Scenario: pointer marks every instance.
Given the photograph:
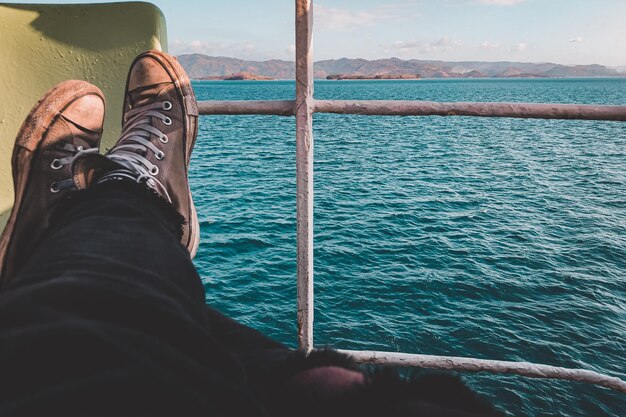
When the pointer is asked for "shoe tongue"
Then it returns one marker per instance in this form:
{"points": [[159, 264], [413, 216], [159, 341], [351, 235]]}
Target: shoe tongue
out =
{"points": [[145, 95]]}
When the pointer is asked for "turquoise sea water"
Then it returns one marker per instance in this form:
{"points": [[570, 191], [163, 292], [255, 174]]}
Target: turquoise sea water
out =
{"points": [[491, 238]]}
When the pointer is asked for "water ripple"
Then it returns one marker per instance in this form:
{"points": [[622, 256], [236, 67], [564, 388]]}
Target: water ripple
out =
{"points": [[493, 238]]}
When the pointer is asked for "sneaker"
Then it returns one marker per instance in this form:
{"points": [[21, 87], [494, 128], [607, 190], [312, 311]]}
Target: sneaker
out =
{"points": [[63, 126], [159, 129]]}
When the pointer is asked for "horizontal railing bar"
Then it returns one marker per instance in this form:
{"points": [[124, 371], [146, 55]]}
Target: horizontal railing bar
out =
{"points": [[527, 369], [275, 107], [420, 108], [431, 108]]}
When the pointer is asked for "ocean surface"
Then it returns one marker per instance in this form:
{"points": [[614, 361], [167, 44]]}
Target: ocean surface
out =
{"points": [[491, 238]]}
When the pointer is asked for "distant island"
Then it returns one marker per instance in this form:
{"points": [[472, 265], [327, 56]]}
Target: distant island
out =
{"points": [[204, 67], [239, 76]]}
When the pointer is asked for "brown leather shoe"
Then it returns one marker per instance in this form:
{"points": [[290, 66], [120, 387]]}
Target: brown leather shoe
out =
{"points": [[159, 129], [65, 124]]}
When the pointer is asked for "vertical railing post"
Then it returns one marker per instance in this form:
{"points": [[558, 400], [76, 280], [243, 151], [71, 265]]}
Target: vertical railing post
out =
{"points": [[304, 171]]}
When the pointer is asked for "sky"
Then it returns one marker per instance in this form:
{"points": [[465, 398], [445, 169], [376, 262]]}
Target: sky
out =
{"points": [[561, 31]]}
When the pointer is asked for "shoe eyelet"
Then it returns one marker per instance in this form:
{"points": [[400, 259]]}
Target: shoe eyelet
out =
{"points": [[167, 105], [56, 164], [164, 139], [54, 187], [160, 156], [167, 121], [154, 170]]}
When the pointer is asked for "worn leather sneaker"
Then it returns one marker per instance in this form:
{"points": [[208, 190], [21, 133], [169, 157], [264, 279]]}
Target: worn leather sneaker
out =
{"points": [[64, 125], [159, 129]]}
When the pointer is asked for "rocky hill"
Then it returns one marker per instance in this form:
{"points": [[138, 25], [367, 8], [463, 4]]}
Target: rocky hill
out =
{"points": [[238, 76], [202, 66]]}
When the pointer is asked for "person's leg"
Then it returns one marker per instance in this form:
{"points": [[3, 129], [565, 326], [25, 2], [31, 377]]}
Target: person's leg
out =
{"points": [[106, 314], [97, 315]]}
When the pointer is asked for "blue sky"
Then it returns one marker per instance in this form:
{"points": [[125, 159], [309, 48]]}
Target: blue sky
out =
{"points": [[562, 31]]}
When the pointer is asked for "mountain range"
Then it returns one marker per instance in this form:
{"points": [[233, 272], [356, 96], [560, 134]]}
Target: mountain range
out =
{"points": [[200, 66]]}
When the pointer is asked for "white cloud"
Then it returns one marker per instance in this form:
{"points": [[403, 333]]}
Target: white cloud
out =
{"points": [[489, 45], [243, 50], [342, 19], [577, 39], [501, 2], [334, 18], [442, 45], [520, 47]]}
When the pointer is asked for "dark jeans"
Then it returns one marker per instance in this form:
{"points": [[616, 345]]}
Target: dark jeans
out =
{"points": [[109, 318]]}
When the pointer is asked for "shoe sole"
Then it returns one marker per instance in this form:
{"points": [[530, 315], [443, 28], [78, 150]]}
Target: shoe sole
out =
{"points": [[183, 86], [29, 138]]}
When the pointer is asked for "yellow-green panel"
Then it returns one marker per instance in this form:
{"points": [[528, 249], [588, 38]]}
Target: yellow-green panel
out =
{"points": [[42, 45]]}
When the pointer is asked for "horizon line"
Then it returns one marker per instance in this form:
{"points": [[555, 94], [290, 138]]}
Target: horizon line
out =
{"points": [[400, 59]]}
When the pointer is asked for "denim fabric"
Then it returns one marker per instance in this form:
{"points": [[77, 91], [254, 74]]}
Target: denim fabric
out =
{"points": [[108, 317]]}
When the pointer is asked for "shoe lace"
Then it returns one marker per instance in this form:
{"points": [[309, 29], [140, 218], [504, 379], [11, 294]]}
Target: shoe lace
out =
{"points": [[76, 151], [134, 144]]}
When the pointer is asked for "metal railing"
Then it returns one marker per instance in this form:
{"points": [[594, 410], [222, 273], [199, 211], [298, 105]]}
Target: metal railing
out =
{"points": [[303, 108]]}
